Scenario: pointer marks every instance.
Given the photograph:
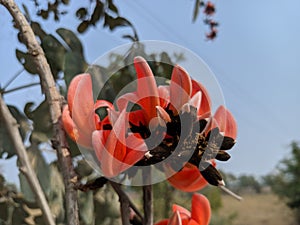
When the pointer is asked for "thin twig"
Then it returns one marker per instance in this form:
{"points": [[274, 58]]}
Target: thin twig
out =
{"points": [[13, 78], [54, 100], [11, 127], [20, 87], [147, 198], [231, 193], [120, 192]]}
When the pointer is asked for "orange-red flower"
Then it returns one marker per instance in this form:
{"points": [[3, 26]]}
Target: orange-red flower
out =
{"points": [[200, 213], [185, 107], [173, 120], [116, 149], [79, 117]]}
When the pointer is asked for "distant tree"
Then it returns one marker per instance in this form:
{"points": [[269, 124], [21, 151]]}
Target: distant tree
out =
{"points": [[242, 183], [249, 182], [285, 182]]}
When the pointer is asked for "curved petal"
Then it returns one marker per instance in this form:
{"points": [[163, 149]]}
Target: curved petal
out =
{"points": [[123, 100], [68, 124], [82, 104], [146, 88], [110, 147], [136, 149], [73, 88], [201, 211], [98, 139], [188, 179], [226, 122], [116, 141], [195, 101], [164, 95], [137, 117], [175, 219], [115, 151], [205, 101], [185, 213], [71, 129], [180, 88]]}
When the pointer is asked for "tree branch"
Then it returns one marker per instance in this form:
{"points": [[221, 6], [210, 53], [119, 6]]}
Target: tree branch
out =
{"points": [[11, 126], [54, 100], [125, 204], [147, 198]]}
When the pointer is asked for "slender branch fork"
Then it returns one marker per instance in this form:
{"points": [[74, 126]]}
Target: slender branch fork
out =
{"points": [[54, 100], [20, 88], [12, 129]]}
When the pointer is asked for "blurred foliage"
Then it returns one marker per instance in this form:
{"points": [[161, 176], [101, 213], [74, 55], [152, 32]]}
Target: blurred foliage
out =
{"points": [[243, 183], [285, 181]]}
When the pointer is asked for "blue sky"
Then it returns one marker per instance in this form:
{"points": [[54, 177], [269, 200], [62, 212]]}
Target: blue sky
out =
{"points": [[254, 58]]}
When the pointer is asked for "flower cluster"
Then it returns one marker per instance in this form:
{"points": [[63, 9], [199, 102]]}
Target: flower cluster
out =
{"points": [[171, 121]]}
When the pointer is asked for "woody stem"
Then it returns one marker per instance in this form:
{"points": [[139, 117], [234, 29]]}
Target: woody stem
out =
{"points": [[147, 197]]}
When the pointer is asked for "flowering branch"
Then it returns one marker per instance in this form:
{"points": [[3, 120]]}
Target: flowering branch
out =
{"points": [[54, 100], [11, 126]]}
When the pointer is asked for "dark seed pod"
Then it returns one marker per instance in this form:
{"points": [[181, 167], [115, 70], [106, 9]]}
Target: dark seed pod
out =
{"points": [[222, 156], [211, 174], [227, 143], [202, 125]]}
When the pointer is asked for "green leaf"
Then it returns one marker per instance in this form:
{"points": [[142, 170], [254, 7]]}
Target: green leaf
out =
{"points": [[37, 29], [41, 122], [42, 171], [44, 14], [83, 169], [98, 13], [55, 53], [83, 26], [73, 147], [74, 64], [81, 13], [27, 61], [113, 23], [71, 40], [112, 6]]}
